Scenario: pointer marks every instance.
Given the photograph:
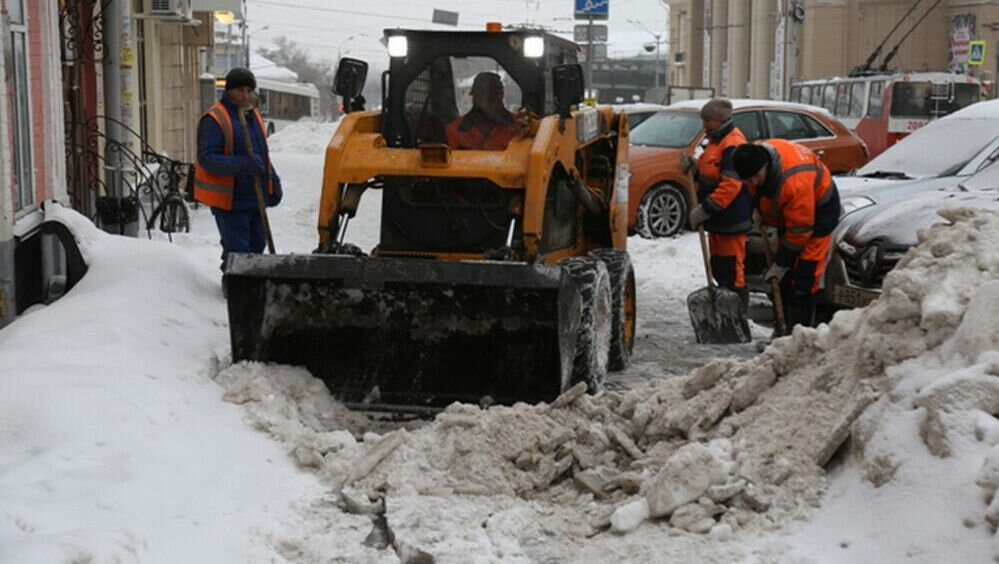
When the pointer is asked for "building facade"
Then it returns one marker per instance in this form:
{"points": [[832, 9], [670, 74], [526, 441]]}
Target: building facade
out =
{"points": [[756, 49]]}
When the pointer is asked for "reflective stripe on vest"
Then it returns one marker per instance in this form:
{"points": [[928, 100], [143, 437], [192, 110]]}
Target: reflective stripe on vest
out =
{"points": [[216, 190]]}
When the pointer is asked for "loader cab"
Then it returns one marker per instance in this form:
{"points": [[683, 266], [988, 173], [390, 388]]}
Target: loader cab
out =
{"points": [[428, 84]]}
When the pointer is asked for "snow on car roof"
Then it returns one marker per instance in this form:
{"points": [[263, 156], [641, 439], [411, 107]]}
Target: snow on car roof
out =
{"points": [[987, 109], [637, 107], [747, 102]]}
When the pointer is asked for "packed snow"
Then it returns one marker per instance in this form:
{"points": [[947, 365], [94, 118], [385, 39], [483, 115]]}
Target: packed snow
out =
{"points": [[129, 436]]}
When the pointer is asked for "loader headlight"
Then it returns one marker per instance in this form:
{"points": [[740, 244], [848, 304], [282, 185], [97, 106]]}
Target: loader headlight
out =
{"points": [[534, 47], [397, 46]]}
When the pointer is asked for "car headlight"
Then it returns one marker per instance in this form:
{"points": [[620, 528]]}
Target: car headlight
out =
{"points": [[851, 204]]}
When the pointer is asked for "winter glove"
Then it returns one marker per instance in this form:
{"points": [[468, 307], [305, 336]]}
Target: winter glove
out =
{"points": [[776, 271], [275, 198], [687, 163], [698, 216], [257, 165]]}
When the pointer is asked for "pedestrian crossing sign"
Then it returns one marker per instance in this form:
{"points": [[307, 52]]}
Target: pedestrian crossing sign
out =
{"points": [[976, 52]]}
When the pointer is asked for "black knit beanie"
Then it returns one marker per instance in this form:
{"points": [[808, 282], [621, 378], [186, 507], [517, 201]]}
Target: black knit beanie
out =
{"points": [[240, 77], [749, 159]]}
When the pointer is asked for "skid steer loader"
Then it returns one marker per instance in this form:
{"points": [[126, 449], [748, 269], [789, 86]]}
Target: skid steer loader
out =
{"points": [[498, 274]]}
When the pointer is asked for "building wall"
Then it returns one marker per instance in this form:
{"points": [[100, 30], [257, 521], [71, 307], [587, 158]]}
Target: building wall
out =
{"points": [[48, 140], [833, 37]]}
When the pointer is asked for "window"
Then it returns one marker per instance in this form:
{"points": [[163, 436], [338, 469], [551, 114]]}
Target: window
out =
{"points": [[842, 99], [24, 193], [911, 99], [856, 100], [749, 124], [818, 128], [787, 125], [876, 99], [829, 98], [817, 95], [667, 129], [805, 96]]}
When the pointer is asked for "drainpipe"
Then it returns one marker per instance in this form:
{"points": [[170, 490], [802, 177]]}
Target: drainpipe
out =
{"points": [[118, 219], [7, 305]]}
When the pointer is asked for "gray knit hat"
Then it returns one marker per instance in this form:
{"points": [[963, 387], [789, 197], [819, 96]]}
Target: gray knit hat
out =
{"points": [[719, 109]]}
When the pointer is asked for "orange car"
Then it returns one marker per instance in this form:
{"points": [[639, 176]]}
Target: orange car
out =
{"points": [[657, 195]]}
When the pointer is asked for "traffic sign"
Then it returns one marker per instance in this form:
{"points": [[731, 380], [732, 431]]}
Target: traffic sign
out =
{"points": [[976, 52], [579, 33], [596, 9]]}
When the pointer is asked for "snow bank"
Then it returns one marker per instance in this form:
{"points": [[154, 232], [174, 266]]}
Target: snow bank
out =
{"points": [[115, 447], [725, 453]]}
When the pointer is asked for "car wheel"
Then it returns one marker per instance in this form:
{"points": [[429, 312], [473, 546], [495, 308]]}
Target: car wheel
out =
{"points": [[662, 212]]}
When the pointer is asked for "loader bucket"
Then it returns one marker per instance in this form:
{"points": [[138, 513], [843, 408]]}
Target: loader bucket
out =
{"points": [[407, 332]]}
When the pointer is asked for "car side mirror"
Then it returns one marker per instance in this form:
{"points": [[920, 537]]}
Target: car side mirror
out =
{"points": [[567, 87], [349, 80]]}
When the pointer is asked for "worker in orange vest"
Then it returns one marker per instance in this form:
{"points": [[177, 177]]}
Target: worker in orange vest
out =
{"points": [[725, 207], [794, 192], [488, 126], [225, 170]]}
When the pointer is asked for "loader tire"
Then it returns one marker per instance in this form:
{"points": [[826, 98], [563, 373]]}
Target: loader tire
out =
{"points": [[594, 335], [623, 306]]}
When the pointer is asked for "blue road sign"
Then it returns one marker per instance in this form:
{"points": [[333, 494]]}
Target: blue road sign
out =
{"points": [[596, 9], [976, 52]]}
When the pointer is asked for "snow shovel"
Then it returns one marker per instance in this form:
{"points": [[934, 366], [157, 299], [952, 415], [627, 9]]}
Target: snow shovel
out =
{"points": [[715, 312], [779, 323], [261, 205]]}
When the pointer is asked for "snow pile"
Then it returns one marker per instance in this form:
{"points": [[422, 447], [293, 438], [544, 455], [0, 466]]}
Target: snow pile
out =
{"points": [[304, 136], [731, 449]]}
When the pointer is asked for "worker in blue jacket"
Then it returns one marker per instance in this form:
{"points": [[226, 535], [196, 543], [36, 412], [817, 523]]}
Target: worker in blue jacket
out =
{"points": [[225, 171]]}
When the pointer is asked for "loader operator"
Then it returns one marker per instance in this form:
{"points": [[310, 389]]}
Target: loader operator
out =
{"points": [[725, 206], [794, 192], [226, 170], [488, 126]]}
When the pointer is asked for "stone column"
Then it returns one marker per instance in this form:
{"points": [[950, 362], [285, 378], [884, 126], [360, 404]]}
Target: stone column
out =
{"points": [[738, 47], [761, 41], [719, 42]]}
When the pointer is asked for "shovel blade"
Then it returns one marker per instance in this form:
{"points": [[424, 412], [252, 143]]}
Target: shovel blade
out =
{"points": [[717, 316]]}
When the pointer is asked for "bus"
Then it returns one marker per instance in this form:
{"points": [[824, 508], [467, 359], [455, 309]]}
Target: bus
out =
{"points": [[281, 103], [884, 108]]}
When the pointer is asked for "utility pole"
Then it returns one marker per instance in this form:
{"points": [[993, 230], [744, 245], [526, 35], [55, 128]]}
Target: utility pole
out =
{"points": [[111, 22], [590, 52]]}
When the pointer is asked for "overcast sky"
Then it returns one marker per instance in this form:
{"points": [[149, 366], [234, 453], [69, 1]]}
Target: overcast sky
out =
{"points": [[325, 28]]}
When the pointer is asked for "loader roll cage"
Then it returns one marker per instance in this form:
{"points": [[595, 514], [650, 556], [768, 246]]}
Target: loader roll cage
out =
{"points": [[428, 69]]}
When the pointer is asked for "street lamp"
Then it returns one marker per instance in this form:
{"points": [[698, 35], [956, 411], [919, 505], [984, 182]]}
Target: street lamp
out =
{"points": [[246, 42], [649, 47]]}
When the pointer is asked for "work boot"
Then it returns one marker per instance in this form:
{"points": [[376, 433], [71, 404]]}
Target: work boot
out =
{"points": [[802, 310]]}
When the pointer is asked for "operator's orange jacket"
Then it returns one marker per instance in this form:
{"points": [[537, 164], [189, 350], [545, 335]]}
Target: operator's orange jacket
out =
{"points": [[216, 190], [719, 188], [464, 133], [798, 196]]}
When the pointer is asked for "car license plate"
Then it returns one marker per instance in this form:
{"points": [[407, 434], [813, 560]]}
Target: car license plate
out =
{"points": [[853, 297]]}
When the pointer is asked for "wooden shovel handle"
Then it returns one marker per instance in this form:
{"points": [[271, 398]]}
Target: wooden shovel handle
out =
{"points": [[774, 283], [261, 205], [692, 192]]}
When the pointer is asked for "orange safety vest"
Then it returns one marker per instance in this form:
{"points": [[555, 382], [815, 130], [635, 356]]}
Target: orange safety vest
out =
{"points": [[797, 186], [719, 189], [216, 190], [462, 133]]}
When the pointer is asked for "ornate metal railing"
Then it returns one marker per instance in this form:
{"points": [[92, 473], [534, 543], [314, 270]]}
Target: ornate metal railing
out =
{"points": [[118, 182]]}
